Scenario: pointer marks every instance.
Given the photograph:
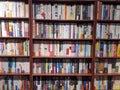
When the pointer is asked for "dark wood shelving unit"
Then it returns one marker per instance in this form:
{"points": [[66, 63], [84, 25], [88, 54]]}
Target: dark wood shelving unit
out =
{"points": [[31, 20]]}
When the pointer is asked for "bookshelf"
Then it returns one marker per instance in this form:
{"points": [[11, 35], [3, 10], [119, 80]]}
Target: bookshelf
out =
{"points": [[14, 45], [60, 49], [107, 40], [59, 44]]}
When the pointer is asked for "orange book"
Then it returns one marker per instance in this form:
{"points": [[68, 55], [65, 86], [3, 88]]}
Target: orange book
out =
{"points": [[82, 87], [98, 11], [65, 11]]}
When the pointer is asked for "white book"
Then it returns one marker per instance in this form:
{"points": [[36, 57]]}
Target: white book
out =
{"points": [[39, 87], [18, 9], [91, 12], [105, 50], [2, 9], [81, 16], [4, 31], [59, 12], [49, 13], [80, 66], [5, 65], [42, 12], [68, 12], [42, 49], [117, 31], [22, 28], [13, 9], [22, 9], [26, 10], [76, 31]]}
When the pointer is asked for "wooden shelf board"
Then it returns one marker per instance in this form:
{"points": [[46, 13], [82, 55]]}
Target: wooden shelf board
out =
{"points": [[14, 18], [14, 37], [108, 57], [19, 56], [62, 39], [14, 74], [107, 74], [107, 39], [62, 74], [62, 57], [108, 21]]}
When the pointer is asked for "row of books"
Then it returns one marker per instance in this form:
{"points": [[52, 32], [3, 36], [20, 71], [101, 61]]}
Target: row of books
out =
{"points": [[108, 11], [56, 48], [60, 66], [107, 49], [108, 31], [107, 66], [107, 83], [14, 47], [62, 83], [14, 83], [14, 65], [62, 30], [13, 29], [63, 11], [14, 9]]}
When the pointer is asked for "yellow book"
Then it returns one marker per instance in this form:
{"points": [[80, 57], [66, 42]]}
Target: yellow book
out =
{"points": [[10, 29], [118, 50], [10, 9], [97, 48], [25, 46]]}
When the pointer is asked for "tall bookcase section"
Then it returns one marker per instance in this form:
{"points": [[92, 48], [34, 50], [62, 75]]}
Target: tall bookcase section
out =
{"points": [[62, 44], [14, 45], [107, 63]]}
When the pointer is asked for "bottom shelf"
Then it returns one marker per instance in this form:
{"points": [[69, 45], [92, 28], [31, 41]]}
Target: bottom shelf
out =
{"points": [[62, 83], [14, 83], [107, 83]]}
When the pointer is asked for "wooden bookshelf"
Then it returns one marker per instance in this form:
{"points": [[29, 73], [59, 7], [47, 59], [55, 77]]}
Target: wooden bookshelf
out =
{"points": [[78, 22]]}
